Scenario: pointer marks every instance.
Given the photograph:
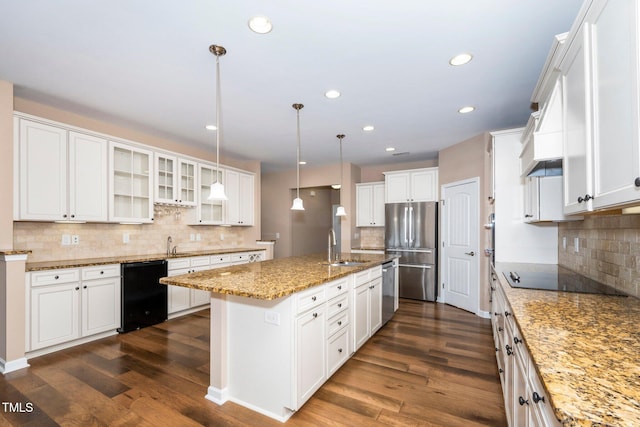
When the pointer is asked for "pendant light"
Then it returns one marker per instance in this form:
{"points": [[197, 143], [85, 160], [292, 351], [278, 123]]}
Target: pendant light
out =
{"points": [[340, 210], [297, 202], [217, 189]]}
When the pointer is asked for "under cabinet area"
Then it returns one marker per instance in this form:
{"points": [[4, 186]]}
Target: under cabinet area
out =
{"points": [[69, 304]]}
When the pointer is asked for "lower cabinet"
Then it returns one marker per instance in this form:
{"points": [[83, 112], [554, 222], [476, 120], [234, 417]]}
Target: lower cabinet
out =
{"points": [[367, 305], [525, 400], [285, 349], [69, 304]]}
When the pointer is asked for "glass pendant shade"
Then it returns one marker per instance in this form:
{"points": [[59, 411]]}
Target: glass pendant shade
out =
{"points": [[297, 204], [217, 192], [340, 211]]}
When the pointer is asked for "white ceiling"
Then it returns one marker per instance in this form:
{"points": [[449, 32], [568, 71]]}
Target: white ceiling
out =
{"points": [[145, 64]]}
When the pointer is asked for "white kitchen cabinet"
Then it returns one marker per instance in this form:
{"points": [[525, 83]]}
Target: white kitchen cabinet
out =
{"points": [[370, 204], [181, 300], [526, 403], [209, 212], [175, 180], [415, 185], [131, 184], [68, 304], [240, 192], [62, 174], [100, 305], [310, 351], [367, 305], [543, 200], [600, 79]]}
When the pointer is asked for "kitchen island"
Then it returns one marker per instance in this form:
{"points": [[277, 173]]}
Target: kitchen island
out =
{"points": [[280, 328], [582, 347]]}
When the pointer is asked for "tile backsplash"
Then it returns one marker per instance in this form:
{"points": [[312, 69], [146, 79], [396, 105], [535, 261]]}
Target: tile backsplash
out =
{"points": [[106, 240], [371, 237], [608, 250]]}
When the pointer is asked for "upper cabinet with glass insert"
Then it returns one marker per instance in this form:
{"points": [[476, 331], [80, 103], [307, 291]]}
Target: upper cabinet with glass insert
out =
{"points": [[130, 190], [209, 211], [176, 180]]}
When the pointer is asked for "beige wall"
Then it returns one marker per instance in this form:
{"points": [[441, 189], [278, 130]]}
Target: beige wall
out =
{"points": [[469, 159], [6, 165], [608, 250], [310, 227], [101, 240], [276, 202]]}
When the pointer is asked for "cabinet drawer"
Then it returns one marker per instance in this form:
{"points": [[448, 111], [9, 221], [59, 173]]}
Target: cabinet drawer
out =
{"points": [[338, 322], [310, 298], [52, 277], [240, 257], [375, 272], [101, 271], [175, 264], [362, 277], [338, 304], [220, 259], [337, 287], [337, 350], [200, 261]]}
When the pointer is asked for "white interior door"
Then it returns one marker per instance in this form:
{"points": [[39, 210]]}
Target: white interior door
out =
{"points": [[460, 253]]}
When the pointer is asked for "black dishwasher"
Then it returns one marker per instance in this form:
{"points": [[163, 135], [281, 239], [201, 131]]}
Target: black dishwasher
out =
{"points": [[144, 298]]}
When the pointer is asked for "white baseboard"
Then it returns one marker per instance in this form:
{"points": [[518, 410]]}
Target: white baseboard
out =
{"points": [[484, 314], [216, 395], [13, 365]]}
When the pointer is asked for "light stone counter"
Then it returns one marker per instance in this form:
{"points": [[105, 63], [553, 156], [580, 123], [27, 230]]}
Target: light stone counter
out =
{"points": [[275, 278], [586, 349], [86, 262]]}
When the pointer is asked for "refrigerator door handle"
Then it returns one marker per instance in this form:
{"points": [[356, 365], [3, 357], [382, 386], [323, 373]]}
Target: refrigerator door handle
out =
{"points": [[411, 225], [406, 211], [415, 266]]}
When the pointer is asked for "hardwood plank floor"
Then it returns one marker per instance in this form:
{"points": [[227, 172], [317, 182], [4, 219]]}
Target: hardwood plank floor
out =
{"points": [[431, 365]]}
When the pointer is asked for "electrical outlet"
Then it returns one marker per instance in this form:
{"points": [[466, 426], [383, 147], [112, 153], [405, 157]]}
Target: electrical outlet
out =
{"points": [[75, 239], [125, 237], [564, 242], [576, 244], [198, 237], [272, 317], [277, 235], [192, 237], [221, 236], [66, 240]]}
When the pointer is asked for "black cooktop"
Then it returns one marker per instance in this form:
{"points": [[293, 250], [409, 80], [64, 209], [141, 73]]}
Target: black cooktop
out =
{"points": [[551, 277]]}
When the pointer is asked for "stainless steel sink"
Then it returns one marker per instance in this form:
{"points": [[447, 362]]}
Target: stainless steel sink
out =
{"points": [[343, 263]]}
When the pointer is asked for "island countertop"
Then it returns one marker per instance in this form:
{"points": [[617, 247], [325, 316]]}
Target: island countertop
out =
{"points": [[274, 278], [585, 349]]}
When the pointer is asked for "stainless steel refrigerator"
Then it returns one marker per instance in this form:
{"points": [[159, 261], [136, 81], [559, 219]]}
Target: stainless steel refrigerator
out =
{"points": [[411, 232]]}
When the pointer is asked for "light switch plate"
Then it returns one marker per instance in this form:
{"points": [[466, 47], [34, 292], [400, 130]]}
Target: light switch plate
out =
{"points": [[272, 317]]}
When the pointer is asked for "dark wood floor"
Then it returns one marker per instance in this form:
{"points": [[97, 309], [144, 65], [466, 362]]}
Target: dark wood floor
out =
{"points": [[432, 365]]}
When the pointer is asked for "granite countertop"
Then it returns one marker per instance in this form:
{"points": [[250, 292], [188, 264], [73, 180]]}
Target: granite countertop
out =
{"points": [[274, 278], [586, 351], [86, 262]]}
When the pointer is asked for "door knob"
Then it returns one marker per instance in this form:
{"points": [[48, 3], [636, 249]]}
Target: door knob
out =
{"points": [[470, 253]]}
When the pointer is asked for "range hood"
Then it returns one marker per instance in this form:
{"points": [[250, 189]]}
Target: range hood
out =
{"points": [[547, 168]]}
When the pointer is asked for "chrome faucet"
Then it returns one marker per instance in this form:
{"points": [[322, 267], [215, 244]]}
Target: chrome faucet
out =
{"points": [[331, 245], [169, 240]]}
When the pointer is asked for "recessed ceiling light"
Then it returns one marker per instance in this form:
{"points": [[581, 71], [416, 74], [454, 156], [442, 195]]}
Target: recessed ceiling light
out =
{"points": [[210, 127], [461, 59], [260, 24], [465, 110], [302, 162], [332, 94], [389, 149], [368, 128]]}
